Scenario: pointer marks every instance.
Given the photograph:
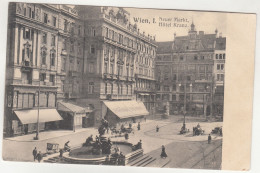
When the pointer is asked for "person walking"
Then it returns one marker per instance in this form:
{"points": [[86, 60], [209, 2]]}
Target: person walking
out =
{"points": [[138, 126], [39, 156], [163, 153], [209, 139], [34, 153], [157, 128]]}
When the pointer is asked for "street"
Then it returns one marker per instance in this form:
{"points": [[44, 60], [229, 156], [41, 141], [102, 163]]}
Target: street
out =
{"points": [[191, 151]]}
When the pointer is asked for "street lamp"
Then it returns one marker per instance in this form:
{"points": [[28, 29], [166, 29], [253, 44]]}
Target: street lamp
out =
{"points": [[184, 106], [38, 112]]}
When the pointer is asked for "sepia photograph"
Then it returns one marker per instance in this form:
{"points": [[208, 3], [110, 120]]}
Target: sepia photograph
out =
{"points": [[115, 86]]}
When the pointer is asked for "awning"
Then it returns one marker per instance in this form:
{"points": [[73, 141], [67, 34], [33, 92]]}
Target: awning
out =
{"points": [[69, 107], [45, 115], [127, 109]]}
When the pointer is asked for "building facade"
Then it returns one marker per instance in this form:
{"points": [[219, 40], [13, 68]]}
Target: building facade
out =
{"points": [[189, 76], [31, 66], [84, 55], [119, 58], [44, 55]]}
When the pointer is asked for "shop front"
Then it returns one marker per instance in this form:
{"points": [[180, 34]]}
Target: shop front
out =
{"points": [[26, 121], [75, 117]]}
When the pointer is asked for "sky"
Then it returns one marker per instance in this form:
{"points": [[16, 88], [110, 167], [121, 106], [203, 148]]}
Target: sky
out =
{"points": [[204, 21]]}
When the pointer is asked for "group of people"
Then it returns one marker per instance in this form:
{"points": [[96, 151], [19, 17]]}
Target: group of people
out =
{"points": [[37, 155], [117, 158]]}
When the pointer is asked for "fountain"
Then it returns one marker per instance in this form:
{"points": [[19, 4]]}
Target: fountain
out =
{"points": [[103, 150]]}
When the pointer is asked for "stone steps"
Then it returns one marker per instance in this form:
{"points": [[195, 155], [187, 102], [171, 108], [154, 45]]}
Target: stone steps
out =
{"points": [[142, 161]]}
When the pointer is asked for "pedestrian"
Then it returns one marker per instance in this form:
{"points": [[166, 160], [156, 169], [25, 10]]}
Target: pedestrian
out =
{"points": [[39, 156], [61, 152], [138, 126], [126, 136], [209, 139], [34, 154], [163, 153], [157, 128], [66, 146]]}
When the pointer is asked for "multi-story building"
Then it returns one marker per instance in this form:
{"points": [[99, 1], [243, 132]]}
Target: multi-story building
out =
{"points": [[31, 67], [44, 55], [186, 77], [219, 71], [119, 62]]}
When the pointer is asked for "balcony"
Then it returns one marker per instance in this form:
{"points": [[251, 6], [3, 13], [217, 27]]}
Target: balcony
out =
{"points": [[26, 66], [137, 89], [144, 77]]}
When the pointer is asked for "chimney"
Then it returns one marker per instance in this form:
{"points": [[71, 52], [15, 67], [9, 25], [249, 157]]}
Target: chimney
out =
{"points": [[220, 35]]}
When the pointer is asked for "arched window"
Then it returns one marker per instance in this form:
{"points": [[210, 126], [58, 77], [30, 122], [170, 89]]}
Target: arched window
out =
{"points": [[224, 56], [220, 56], [43, 55], [52, 58], [216, 56]]}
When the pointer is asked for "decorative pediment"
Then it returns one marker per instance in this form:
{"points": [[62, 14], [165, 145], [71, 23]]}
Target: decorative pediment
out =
{"points": [[27, 45], [53, 50]]}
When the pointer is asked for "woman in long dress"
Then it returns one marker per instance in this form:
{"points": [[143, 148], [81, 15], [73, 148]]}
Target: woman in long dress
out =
{"points": [[163, 154]]}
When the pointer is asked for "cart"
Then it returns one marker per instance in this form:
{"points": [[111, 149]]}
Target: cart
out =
{"points": [[52, 148]]}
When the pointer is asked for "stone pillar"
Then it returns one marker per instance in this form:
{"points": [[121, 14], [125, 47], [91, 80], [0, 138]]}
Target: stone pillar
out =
{"points": [[35, 45], [16, 44], [21, 45]]}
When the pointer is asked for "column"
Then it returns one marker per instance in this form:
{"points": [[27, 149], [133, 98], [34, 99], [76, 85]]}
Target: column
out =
{"points": [[21, 45], [16, 44], [35, 45]]}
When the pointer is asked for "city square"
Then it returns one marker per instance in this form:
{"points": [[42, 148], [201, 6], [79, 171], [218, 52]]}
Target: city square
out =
{"points": [[192, 151], [94, 85]]}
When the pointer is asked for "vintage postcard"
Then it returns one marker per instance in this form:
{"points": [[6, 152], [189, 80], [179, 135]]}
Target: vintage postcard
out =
{"points": [[100, 85]]}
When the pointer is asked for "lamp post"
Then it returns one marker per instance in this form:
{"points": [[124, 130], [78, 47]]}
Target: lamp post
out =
{"points": [[184, 106], [38, 112]]}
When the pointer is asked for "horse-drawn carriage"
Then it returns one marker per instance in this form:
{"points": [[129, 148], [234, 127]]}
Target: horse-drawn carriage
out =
{"points": [[197, 131], [217, 130]]}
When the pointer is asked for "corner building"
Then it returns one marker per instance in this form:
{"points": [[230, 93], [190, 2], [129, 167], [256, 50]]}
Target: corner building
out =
{"points": [[119, 64]]}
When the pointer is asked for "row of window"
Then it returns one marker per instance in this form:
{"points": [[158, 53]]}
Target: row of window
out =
{"points": [[221, 56], [30, 100], [72, 45], [44, 56], [220, 66], [70, 27], [220, 77], [190, 68], [28, 34], [128, 41], [44, 39], [143, 84], [200, 76], [109, 88], [42, 77], [183, 58]]}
